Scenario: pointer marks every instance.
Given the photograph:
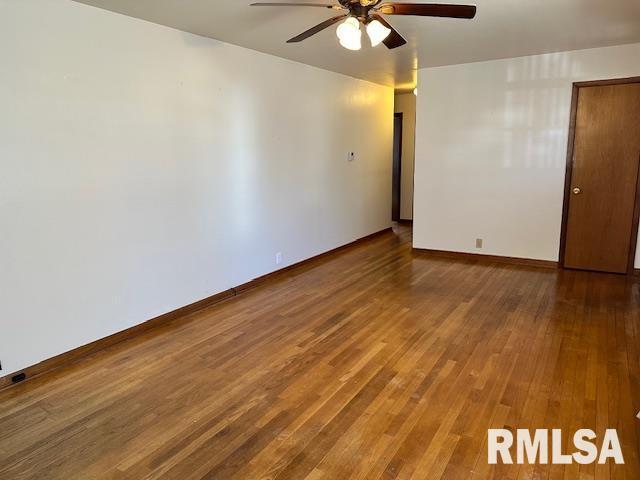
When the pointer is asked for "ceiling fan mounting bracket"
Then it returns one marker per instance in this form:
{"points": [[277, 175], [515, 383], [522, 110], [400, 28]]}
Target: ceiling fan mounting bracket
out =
{"points": [[359, 11]]}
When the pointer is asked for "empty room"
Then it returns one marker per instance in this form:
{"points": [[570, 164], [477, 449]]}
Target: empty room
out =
{"points": [[319, 239]]}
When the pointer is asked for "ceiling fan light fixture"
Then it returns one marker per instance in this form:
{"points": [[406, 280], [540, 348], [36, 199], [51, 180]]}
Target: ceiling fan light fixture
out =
{"points": [[349, 34], [377, 32], [354, 44]]}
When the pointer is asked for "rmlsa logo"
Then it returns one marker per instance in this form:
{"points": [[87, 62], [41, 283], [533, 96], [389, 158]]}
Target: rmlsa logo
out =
{"points": [[541, 448]]}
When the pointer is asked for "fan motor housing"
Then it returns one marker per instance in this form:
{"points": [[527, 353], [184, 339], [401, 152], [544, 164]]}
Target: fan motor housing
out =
{"points": [[359, 11]]}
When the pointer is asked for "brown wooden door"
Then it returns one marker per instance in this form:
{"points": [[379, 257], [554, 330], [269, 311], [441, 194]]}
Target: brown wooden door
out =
{"points": [[604, 177]]}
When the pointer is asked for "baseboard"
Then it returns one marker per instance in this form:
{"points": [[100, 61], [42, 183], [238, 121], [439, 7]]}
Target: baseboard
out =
{"points": [[404, 221], [77, 354], [269, 276], [478, 257]]}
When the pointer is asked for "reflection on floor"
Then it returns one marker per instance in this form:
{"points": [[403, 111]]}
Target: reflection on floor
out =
{"points": [[374, 363]]}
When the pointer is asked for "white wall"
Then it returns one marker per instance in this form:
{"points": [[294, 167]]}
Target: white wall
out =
{"points": [[491, 143], [405, 103], [144, 169]]}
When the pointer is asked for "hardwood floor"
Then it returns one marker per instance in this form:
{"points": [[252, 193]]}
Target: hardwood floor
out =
{"points": [[375, 363]]}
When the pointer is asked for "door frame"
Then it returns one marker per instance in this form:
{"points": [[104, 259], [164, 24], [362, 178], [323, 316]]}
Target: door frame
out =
{"points": [[569, 170], [397, 182]]}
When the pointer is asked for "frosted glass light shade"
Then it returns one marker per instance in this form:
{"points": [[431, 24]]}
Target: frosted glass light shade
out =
{"points": [[377, 32], [349, 34]]}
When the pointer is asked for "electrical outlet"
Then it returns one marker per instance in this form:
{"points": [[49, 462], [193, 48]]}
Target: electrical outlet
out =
{"points": [[351, 157], [478, 243], [278, 258]]}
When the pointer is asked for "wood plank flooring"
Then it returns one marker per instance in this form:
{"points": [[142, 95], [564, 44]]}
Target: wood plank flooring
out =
{"points": [[374, 363]]}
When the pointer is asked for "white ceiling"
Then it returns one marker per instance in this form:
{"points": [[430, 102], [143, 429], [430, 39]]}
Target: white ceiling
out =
{"points": [[501, 29]]}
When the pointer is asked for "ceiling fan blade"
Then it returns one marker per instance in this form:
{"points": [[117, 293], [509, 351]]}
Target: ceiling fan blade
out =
{"points": [[394, 39], [428, 10], [280, 4], [316, 29]]}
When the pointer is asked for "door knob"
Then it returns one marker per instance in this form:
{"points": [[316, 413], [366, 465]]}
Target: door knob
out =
{"points": [[576, 190]]}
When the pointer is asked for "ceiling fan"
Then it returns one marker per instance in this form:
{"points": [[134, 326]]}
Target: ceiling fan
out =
{"points": [[367, 13]]}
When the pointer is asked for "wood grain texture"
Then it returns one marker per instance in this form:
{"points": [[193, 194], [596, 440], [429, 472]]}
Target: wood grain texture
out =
{"points": [[78, 354], [374, 363], [606, 152]]}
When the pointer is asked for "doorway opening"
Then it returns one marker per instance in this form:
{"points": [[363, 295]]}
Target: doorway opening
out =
{"points": [[396, 175], [404, 139]]}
